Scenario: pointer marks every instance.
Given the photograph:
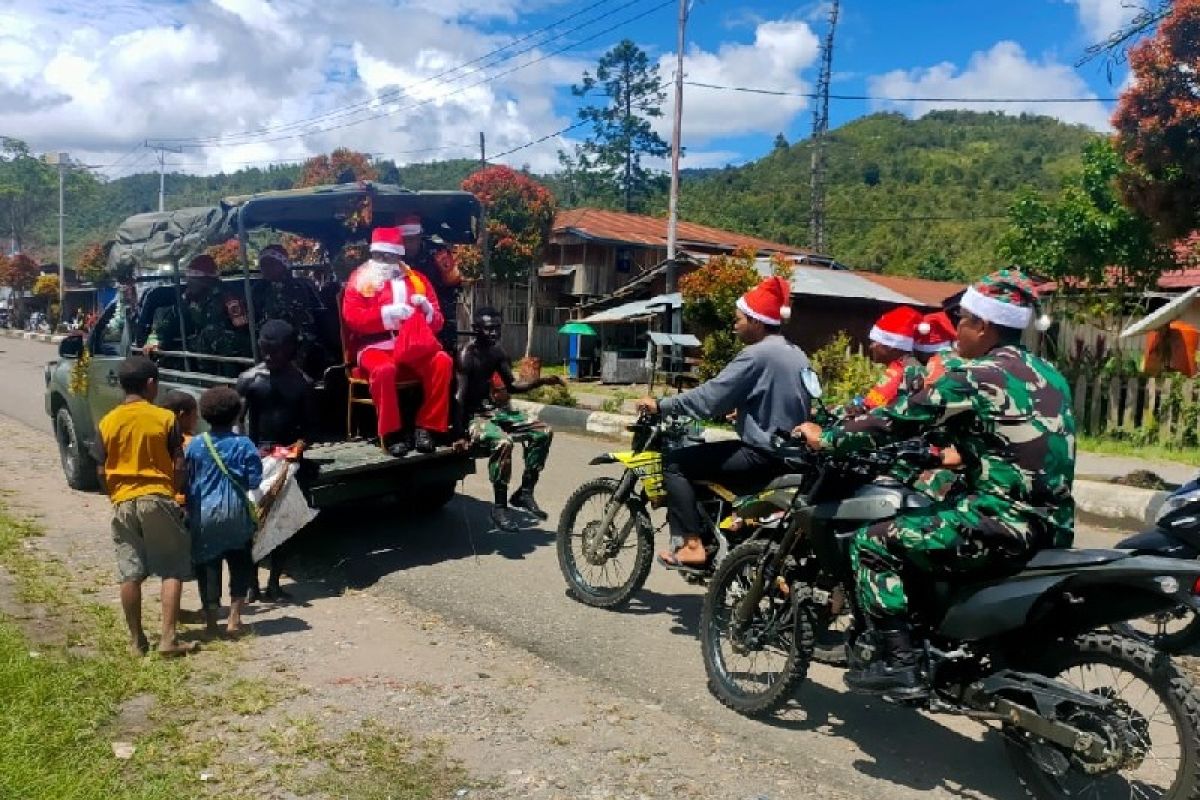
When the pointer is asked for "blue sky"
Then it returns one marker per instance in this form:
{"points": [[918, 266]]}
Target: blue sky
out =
{"points": [[237, 82]]}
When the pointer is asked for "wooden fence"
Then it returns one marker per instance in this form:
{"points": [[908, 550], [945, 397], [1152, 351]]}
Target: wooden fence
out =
{"points": [[1164, 409]]}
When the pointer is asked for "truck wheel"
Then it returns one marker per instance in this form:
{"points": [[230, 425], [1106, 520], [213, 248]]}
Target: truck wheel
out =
{"points": [[434, 497], [78, 467]]}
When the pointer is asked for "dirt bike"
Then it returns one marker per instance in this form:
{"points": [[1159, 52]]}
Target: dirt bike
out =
{"points": [[1082, 713], [605, 536]]}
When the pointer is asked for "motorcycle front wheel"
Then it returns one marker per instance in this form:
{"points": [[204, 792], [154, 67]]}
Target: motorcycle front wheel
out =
{"points": [[604, 568], [1162, 709], [753, 669]]}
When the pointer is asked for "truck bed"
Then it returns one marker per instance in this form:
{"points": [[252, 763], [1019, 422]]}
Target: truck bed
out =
{"points": [[357, 469]]}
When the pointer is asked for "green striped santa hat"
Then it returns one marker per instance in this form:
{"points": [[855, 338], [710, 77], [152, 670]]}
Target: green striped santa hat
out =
{"points": [[1006, 297]]}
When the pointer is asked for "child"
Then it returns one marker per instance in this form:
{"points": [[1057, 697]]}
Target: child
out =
{"points": [[281, 407], [222, 467], [187, 414], [140, 453]]}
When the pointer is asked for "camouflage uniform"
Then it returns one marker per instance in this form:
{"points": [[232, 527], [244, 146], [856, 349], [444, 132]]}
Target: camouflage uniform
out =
{"points": [[296, 303], [216, 324], [496, 432], [1009, 415]]}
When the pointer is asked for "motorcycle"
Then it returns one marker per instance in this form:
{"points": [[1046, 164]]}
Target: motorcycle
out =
{"points": [[1081, 712], [605, 539], [1176, 534]]}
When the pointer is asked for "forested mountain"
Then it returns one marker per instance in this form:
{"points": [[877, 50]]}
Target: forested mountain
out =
{"points": [[904, 196]]}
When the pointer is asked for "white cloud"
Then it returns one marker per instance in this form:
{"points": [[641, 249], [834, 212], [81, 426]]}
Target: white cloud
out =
{"points": [[775, 59], [1100, 18], [1004, 72]]}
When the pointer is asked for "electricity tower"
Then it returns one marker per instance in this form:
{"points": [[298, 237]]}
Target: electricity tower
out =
{"points": [[816, 217]]}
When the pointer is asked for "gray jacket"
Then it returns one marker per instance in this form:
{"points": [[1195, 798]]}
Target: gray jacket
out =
{"points": [[763, 384]]}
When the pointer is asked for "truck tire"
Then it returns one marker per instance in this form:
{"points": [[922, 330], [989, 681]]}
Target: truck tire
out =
{"points": [[78, 466], [433, 498]]}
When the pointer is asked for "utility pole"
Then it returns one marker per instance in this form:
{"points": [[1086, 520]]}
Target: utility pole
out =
{"points": [[162, 171], [676, 146], [483, 237], [816, 218]]}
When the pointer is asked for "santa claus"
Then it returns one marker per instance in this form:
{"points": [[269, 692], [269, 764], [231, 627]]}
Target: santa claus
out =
{"points": [[392, 316]]}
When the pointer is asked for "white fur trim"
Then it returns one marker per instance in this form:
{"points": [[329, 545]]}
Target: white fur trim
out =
{"points": [[385, 247], [411, 229], [745, 308], [924, 328], [940, 347], [996, 311], [1043, 323], [785, 313], [891, 339]]}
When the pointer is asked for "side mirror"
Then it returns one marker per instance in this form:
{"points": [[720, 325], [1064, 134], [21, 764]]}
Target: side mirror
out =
{"points": [[811, 383], [70, 347]]}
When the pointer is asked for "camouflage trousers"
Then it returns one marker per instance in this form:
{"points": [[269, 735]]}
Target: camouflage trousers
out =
{"points": [[498, 435], [971, 534]]}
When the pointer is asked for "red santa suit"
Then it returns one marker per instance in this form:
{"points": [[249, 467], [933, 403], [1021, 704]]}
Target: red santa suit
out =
{"points": [[377, 300]]}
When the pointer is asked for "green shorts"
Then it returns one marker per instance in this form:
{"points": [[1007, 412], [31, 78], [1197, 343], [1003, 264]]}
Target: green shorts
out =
{"points": [[151, 539]]}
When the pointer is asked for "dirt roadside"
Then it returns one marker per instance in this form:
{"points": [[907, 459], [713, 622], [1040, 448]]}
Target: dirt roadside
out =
{"points": [[519, 725]]}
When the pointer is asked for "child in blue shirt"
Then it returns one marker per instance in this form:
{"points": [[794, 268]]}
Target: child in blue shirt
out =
{"points": [[222, 468]]}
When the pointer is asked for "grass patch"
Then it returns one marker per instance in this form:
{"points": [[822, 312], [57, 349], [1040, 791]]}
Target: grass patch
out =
{"points": [[374, 763], [1152, 452]]}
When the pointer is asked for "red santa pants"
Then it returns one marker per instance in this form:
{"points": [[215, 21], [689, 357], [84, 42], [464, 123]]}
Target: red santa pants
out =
{"points": [[434, 375]]}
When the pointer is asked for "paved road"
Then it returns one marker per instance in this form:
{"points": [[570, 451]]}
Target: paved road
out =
{"points": [[509, 584]]}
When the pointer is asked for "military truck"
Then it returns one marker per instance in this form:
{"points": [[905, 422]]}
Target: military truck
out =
{"points": [[150, 250]]}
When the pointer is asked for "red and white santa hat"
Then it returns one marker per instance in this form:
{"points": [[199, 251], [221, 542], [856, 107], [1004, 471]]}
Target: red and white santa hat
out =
{"points": [[410, 225], [935, 333], [897, 328], [769, 302], [387, 240]]}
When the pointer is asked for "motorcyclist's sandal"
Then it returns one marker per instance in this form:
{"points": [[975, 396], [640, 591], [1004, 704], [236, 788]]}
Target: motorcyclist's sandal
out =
{"points": [[672, 562]]}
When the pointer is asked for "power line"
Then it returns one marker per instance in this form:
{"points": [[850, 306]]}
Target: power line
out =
{"points": [[542, 139], [885, 98], [396, 93]]}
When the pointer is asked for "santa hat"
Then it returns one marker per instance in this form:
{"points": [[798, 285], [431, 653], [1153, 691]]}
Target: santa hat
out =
{"points": [[202, 266], [387, 240], [411, 225], [1007, 297], [769, 302], [935, 333], [897, 328]]}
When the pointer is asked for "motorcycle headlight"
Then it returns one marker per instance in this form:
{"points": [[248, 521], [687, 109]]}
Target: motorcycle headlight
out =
{"points": [[1177, 501]]}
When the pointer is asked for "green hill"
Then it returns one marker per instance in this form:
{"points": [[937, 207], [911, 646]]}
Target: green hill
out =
{"points": [[902, 193], [959, 168]]}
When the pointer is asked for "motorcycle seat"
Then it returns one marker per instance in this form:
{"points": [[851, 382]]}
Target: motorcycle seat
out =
{"points": [[790, 481], [1066, 559]]}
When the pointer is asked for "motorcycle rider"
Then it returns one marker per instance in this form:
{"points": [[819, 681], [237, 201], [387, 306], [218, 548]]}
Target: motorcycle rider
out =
{"points": [[764, 384], [1008, 414], [892, 339]]}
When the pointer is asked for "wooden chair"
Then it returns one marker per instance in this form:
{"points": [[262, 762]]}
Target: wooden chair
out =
{"points": [[358, 384]]}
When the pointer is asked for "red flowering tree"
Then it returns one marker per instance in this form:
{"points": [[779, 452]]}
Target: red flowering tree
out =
{"points": [[18, 273], [710, 296], [228, 255], [1157, 125], [92, 265], [520, 213], [341, 166], [300, 250]]}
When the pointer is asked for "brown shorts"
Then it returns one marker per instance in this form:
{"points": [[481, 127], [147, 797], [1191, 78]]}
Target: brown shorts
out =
{"points": [[151, 539]]}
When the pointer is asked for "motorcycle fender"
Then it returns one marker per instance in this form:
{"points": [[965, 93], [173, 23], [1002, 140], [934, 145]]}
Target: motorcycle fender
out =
{"points": [[604, 458], [1159, 543], [993, 609]]}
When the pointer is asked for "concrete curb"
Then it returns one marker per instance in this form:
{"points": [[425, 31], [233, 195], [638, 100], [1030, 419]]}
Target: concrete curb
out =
{"points": [[9, 333], [1096, 502]]}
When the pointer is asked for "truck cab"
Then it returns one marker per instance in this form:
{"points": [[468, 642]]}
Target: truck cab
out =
{"points": [[82, 385]]}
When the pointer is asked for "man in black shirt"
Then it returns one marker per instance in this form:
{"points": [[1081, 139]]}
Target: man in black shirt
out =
{"points": [[485, 381], [281, 407]]}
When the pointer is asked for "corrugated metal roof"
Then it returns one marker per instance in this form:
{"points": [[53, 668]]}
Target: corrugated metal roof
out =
{"points": [[638, 308], [617, 226], [681, 339], [821, 282]]}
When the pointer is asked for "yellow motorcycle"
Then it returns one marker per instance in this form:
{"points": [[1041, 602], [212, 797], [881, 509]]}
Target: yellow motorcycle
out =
{"points": [[605, 536]]}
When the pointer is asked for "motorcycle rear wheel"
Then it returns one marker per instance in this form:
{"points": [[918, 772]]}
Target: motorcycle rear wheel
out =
{"points": [[1169, 708], [1174, 631], [779, 625], [601, 582]]}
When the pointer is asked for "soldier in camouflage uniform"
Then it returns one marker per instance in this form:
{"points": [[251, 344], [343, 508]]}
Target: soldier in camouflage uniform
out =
{"points": [[437, 263], [1008, 415], [216, 320], [280, 295], [485, 380]]}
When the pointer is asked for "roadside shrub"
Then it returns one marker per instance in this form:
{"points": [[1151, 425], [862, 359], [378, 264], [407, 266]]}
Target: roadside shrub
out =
{"points": [[844, 373]]}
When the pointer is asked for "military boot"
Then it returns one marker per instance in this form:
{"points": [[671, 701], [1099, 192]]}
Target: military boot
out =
{"points": [[894, 670]]}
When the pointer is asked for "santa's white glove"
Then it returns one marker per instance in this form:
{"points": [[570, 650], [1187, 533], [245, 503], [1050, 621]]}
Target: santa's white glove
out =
{"points": [[395, 313], [422, 302]]}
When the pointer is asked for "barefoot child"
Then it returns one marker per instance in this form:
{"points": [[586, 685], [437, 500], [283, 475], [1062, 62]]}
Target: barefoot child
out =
{"points": [[222, 466], [187, 414], [140, 456]]}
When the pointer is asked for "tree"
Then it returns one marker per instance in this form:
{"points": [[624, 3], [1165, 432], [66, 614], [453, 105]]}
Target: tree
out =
{"points": [[781, 142], [18, 273], [621, 129], [710, 296], [28, 191], [936, 267], [227, 254], [1157, 125], [92, 265], [46, 287], [520, 213], [341, 166]]}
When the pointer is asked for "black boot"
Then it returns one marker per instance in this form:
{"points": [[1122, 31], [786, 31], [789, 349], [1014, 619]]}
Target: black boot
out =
{"points": [[502, 518], [523, 498], [894, 670], [423, 440]]}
